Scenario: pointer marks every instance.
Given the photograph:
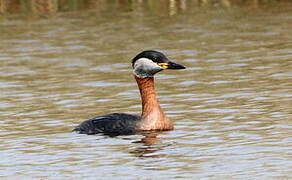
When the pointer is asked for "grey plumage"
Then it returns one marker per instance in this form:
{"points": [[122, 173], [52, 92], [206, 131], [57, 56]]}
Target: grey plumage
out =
{"points": [[110, 124]]}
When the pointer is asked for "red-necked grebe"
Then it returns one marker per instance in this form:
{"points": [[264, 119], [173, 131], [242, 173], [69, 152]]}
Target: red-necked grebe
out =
{"points": [[145, 65]]}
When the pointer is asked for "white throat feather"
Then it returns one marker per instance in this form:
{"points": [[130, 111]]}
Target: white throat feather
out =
{"points": [[145, 67]]}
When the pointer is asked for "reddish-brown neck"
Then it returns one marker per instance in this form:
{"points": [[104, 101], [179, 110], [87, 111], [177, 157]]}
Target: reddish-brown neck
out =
{"points": [[152, 114], [148, 95]]}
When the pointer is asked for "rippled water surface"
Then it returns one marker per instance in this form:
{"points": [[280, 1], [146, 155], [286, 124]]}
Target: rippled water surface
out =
{"points": [[231, 107]]}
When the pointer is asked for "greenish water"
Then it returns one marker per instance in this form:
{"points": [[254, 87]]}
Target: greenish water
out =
{"points": [[231, 107]]}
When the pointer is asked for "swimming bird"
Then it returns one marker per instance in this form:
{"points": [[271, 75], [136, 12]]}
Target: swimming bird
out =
{"points": [[145, 65]]}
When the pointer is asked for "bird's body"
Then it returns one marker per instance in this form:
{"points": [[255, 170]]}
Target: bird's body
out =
{"points": [[145, 65], [110, 124]]}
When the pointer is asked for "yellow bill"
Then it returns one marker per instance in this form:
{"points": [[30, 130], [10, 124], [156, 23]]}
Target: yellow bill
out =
{"points": [[163, 65]]}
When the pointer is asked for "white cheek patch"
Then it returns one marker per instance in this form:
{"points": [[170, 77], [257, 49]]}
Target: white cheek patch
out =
{"points": [[146, 63], [144, 67]]}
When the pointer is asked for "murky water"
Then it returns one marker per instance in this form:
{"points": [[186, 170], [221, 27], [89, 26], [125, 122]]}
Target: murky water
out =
{"points": [[231, 107]]}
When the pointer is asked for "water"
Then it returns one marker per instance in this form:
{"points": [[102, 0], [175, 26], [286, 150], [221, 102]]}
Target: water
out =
{"points": [[231, 107]]}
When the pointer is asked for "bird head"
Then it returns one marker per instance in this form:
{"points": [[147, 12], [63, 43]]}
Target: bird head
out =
{"points": [[150, 62]]}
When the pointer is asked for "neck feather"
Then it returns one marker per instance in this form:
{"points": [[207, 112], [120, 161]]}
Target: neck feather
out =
{"points": [[152, 114]]}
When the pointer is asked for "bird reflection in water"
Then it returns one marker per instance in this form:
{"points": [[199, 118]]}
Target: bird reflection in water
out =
{"points": [[150, 146]]}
